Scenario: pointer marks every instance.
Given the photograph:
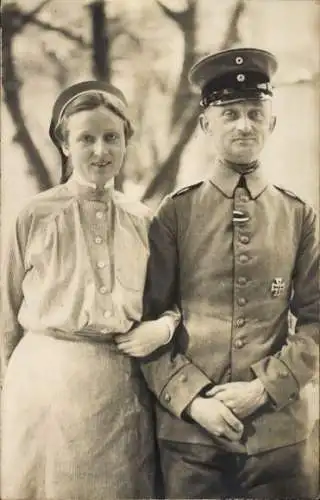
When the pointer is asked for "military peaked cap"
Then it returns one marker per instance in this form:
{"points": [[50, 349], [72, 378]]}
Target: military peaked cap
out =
{"points": [[234, 75]]}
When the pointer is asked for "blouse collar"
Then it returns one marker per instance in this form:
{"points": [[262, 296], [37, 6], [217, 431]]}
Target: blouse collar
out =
{"points": [[87, 190]]}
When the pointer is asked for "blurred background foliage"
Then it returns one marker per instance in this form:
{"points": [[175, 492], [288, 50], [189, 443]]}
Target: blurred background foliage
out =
{"points": [[146, 47]]}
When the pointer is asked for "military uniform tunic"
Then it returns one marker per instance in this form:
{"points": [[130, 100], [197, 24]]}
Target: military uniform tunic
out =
{"points": [[76, 414], [237, 260]]}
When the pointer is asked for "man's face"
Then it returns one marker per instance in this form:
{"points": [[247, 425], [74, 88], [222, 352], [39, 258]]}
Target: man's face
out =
{"points": [[95, 144], [239, 130]]}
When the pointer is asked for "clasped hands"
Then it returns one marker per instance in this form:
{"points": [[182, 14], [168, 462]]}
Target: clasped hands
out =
{"points": [[224, 406]]}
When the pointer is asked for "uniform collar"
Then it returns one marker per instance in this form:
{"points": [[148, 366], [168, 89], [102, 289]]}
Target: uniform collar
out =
{"points": [[226, 179], [89, 191]]}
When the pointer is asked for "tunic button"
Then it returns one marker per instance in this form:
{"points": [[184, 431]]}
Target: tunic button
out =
{"points": [[107, 314], [242, 280], [283, 374], [167, 397], [244, 198], [240, 322], [244, 238], [243, 258], [242, 301], [101, 264], [183, 378], [98, 240], [238, 343], [103, 289], [104, 330], [99, 214]]}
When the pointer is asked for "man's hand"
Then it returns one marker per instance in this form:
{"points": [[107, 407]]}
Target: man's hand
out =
{"points": [[242, 398], [144, 339], [215, 417]]}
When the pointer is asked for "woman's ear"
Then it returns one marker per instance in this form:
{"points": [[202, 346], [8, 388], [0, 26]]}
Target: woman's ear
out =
{"points": [[204, 123]]}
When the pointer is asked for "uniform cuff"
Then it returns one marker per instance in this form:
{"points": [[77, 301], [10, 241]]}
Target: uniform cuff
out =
{"points": [[182, 388], [278, 381]]}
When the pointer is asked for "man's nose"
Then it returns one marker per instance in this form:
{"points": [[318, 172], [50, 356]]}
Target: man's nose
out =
{"points": [[244, 124]]}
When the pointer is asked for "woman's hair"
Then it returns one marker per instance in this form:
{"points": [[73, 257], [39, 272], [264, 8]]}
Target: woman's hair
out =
{"points": [[85, 102]]}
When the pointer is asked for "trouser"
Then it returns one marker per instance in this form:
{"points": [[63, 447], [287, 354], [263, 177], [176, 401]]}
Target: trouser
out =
{"points": [[198, 471]]}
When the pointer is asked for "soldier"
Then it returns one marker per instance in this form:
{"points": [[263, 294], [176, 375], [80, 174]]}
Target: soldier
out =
{"points": [[237, 253]]}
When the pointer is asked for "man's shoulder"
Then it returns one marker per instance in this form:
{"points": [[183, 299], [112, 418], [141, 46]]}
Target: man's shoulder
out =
{"points": [[289, 194], [186, 189]]}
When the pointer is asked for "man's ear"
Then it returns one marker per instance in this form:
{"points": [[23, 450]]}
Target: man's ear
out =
{"points": [[204, 123], [273, 122]]}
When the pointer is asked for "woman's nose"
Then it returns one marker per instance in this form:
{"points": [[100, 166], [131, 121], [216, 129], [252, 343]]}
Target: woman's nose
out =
{"points": [[99, 147]]}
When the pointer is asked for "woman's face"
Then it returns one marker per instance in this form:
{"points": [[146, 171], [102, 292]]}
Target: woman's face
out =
{"points": [[95, 144]]}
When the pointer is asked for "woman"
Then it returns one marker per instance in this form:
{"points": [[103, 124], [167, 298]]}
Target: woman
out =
{"points": [[76, 417]]}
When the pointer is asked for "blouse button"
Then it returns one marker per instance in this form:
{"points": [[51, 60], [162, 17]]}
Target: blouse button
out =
{"points": [[103, 289], [107, 314], [98, 240], [242, 301], [244, 239], [243, 258], [99, 214], [242, 280], [239, 343], [101, 264]]}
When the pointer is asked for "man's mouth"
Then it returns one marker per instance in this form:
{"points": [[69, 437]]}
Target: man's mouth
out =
{"points": [[245, 139]]}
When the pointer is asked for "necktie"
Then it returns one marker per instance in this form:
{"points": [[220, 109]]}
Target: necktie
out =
{"points": [[239, 216]]}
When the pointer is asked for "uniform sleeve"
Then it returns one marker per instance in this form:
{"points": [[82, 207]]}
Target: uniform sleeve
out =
{"points": [[285, 373], [12, 275], [169, 374]]}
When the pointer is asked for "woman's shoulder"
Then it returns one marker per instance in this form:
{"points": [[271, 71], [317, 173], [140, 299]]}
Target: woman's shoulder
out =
{"points": [[44, 203]]}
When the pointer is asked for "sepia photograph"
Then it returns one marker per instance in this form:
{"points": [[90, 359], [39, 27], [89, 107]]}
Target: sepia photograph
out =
{"points": [[159, 249]]}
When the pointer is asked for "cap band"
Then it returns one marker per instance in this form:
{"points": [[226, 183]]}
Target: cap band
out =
{"points": [[261, 91]]}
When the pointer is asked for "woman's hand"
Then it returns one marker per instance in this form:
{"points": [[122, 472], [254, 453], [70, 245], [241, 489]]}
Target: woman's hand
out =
{"points": [[144, 339]]}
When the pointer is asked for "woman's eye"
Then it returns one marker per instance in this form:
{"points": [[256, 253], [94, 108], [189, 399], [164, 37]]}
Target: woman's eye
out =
{"points": [[86, 139], [111, 137]]}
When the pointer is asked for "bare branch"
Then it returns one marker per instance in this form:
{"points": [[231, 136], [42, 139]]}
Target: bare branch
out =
{"points": [[34, 12], [11, 85], [164, 180], [62, 31], [177, 16]]}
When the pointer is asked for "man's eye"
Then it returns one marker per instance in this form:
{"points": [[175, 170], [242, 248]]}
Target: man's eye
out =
{"points": [[256, 114], [229, 113]]}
